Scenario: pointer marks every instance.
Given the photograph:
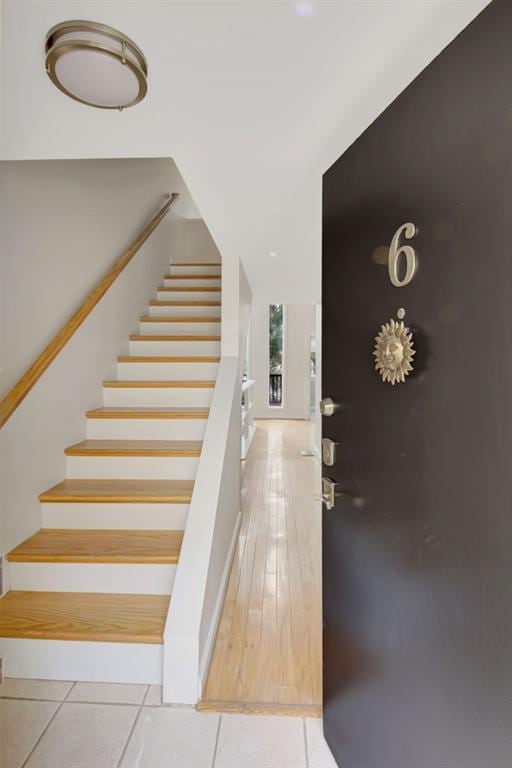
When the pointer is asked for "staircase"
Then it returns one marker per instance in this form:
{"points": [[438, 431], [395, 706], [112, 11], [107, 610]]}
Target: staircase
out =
{"points": [[90, 591]]}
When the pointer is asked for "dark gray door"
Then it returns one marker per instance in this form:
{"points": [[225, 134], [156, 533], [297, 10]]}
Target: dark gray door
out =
{"points": [[418, 555]]}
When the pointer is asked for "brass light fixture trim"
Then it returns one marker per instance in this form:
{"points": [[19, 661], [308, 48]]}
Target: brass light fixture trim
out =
{"points": [[72, 36]]}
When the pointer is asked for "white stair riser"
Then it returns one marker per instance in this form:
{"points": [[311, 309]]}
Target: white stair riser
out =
{"points": [[160, 398], [125, 578], [166, 371], [194, 269], [179, 329], [146, 429], [190, 311], [188, 295], [77, 660], [175, 348], [193, 282], [131, 467], [128, 517]]}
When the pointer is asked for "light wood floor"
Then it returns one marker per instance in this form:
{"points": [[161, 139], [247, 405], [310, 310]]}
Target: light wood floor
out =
{"points": [[268, 652]]}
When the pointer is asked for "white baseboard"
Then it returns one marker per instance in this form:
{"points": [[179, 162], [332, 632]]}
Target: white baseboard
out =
{"points": [[204, 664]]}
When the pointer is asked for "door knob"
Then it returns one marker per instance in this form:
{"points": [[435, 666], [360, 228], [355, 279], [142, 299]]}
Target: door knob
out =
{"points": [[327, 406]]}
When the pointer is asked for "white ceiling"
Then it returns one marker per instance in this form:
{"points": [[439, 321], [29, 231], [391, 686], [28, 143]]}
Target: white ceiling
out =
{"points": [[254, 99]]}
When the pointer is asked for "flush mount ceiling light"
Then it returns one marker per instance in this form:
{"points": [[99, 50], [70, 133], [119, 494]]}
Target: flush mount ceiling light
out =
{"points": [[96, 65]]}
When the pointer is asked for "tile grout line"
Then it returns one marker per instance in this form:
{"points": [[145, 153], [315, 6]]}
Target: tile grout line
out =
{"points": [[71, 687], [145, 695], [305, 741], [216, 742], [4, 697], [26, 698], [50, 721], [78, 701], [128, 738]]}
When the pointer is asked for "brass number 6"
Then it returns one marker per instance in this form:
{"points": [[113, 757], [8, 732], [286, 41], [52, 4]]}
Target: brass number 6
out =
{"points": [[409, 230]]}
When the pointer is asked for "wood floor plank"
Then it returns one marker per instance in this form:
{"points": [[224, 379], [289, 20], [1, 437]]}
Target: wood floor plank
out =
{"points": [[258, 708], [120, 492], [255, 632], [99, 546], [135, 448], [84, 616], [267, 655]]}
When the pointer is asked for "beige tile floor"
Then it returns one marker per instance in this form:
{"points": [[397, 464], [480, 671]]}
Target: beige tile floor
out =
{"points": [[47, 724]]}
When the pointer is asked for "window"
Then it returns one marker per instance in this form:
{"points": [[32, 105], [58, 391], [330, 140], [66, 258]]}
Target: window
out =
{"points": [[276, 336]]}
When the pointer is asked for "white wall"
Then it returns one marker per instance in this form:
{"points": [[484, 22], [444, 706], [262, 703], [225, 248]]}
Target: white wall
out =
{"points": [[62, 225], [251, 132], [194, 243], [236, 302], [244, 315], [1, 57], [298, 328], [209, 540]]}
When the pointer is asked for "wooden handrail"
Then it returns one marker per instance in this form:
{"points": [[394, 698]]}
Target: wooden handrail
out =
{"points": [[25, 383]]}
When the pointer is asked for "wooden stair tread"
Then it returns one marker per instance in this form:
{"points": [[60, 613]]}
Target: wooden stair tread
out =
{"points": [[84, 616], [159, 319], [165, 359], [99, 546], [148, 413], [178, 384], [196, 263], [135, 448], [192, 277], [156, 303], [195, 288], [183, 337], [120, 492]]}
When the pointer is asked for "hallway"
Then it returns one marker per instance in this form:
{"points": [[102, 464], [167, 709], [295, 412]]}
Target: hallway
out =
{"points": [[267, 656]]}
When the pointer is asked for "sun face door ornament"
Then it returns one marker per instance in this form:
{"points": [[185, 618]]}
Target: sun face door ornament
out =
{"points": [[394, 352]]}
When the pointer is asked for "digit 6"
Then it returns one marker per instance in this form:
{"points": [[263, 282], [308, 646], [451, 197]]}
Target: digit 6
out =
{"points": [[409, 230]]}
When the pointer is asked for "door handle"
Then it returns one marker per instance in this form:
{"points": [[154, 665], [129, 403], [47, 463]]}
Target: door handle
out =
{"points": [[327, 406], [329, 492]]}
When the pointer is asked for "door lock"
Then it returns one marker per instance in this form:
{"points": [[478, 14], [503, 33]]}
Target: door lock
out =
{"points": [[329, 492], [328, 452], [327, 406]]}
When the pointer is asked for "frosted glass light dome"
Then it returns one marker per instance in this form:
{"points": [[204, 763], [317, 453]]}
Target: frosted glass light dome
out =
{"points": [[96, 65]]}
